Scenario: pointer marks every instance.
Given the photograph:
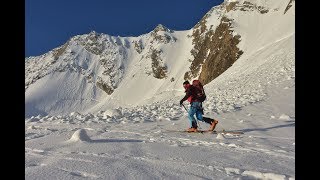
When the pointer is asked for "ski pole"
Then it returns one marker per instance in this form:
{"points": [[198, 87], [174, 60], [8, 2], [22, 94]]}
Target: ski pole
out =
{"points": [[185, 108]]}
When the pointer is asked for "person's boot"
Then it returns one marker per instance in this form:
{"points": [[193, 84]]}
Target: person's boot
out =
{"points": [[194, 127], [213, 125]]}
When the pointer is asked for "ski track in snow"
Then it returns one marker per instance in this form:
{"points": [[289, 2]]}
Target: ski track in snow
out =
{"points": [[231, 172]]}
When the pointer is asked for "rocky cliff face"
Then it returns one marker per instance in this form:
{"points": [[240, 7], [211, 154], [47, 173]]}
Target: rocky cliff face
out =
{"points": [[288, 6], [159, 37], [215, 48]]}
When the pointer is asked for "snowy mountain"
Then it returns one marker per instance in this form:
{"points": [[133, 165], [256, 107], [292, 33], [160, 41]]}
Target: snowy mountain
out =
{"points": [[237, 50], [104, 107]]}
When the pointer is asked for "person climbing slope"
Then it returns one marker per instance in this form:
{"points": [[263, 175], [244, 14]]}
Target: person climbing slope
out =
{"points": [[195, 95]]}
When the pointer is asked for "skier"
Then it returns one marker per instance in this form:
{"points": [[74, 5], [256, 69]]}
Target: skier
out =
{"points": [[192, 95]]}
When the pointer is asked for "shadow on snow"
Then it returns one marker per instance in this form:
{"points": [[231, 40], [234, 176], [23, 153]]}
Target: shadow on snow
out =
{"points": [[114, 140], [268, 128]]}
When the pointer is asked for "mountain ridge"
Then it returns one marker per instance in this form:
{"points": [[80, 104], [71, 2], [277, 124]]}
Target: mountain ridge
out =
{"points": [[108, 68]]}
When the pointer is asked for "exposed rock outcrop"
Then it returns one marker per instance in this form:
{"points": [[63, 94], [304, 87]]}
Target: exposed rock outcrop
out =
{"points": [[214, 50], [288, 6]]}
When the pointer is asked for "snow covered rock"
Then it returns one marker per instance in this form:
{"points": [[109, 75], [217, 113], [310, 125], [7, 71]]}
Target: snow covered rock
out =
{"points": [[112, 112], [220, 136], [284, 117], [80, 135]]}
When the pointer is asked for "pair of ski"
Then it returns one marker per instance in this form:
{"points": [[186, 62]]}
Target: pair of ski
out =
{"points": [[208, 131]]}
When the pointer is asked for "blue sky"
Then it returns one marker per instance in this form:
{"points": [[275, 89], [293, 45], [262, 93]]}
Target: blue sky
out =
{"points": [[49, 24]]}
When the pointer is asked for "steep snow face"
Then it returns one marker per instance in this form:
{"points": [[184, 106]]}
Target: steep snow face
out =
{"points": [[164, 50], [94, 72], [261, 23], [266, 30], [98, 57], [99, 71], [233, 30], [73, 76]]}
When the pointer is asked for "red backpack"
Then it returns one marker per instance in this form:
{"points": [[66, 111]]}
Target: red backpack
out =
{"points": [[199, 91]]}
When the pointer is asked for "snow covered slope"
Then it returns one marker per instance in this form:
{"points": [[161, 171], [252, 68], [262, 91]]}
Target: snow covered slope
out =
{"points": [[253, 40]]}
